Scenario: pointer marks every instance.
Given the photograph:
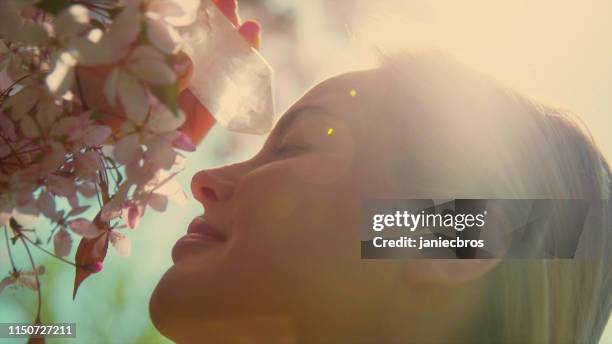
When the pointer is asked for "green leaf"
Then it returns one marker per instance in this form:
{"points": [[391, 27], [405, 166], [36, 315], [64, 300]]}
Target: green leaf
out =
{"points": [[38, 158], [113, 12], [167, 95], [96, 115], [52, 6]]}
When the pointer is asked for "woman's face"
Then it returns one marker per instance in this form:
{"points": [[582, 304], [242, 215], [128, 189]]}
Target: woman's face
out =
{"points": [[280, 231]]}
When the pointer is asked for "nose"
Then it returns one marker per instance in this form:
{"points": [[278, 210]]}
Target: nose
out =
{"points": [[214, 185]]}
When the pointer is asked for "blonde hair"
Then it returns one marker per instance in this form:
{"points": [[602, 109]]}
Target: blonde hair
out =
{"points": [[491, 142]]}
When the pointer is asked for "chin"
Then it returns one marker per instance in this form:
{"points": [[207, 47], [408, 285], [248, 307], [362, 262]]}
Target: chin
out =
{"points": [[161, 309], [173, 304], [182, 300]]}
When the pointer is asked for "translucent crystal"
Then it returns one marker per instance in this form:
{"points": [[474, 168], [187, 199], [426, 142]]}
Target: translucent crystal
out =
{"points": [[230, 78]]}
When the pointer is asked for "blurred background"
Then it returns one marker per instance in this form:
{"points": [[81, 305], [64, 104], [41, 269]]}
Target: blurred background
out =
{"points": [[556, 51]]}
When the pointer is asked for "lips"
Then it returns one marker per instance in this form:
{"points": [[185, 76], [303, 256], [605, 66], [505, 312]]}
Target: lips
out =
{"points": [[200, 237]]}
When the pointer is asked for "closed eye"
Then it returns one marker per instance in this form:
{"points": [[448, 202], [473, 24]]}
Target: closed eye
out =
{"points": [[289, 149]]}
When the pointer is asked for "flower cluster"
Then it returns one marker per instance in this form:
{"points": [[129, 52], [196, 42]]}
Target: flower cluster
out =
{"points": [[89, 114]]}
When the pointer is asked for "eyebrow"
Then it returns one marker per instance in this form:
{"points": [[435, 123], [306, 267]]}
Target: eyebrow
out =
{"points": [[291, 116]]}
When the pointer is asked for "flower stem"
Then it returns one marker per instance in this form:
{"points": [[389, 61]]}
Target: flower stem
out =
{"points": [[13, 151], [8, 89], [78, 82], [38, 307], [8, 247], [46, 251]]}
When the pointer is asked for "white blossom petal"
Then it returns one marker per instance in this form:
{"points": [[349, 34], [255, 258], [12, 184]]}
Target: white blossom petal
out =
{"points": [[110, 86], [71, 20], [133, 97], [29, 128], [22, 102], [161, 153], [6, 281], [84, 228], [168, 187], [61, 78], [141, 175], [27, 281], [145, 52], [32, 34], [96, 135], [54, 159], [163, 37], [38, 271], [46, 205], [87, 189], [178, 197], [66, 126], [162, 120], [10, 21], [90, 160], [7, 127], [153, 71], [176, 13], [128, 149], [132, 214], [125, 28], [121, 243], [157, 202], [110, 211], [61, 186], [91, 53], [47, 112]]}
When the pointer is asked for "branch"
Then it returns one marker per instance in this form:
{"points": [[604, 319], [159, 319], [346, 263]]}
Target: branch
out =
{"points": [[8, 247], [35, 276], [47, 251]]}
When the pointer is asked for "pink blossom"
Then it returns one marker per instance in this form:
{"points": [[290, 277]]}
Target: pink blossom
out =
{"points": [[23, 278], [7, 128], [110, 211], [132, 214], [85, 228], [62, 242], [121, 243], [183, 142]]}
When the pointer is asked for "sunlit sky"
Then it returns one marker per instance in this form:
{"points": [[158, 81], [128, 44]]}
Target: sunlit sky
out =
{"points": [[559, 52]]}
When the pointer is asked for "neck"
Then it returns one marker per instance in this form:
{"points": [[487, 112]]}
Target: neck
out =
{"points": [[438, 317]]}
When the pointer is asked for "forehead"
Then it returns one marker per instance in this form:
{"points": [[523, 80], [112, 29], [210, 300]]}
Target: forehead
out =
{"points": [[352, 98], [349, 87]]}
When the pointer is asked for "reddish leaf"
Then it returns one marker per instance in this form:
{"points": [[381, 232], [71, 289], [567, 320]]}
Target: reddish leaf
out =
{"points": [[36, 340], [198, 120], [33, 339], [251, 31], [89, 258], [229, 8]]}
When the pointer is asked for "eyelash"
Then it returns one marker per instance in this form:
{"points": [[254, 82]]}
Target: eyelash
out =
{"points": [[290, 149]]}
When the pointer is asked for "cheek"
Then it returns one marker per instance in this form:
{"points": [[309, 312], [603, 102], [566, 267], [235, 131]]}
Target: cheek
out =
{"points": [[291, 223]]}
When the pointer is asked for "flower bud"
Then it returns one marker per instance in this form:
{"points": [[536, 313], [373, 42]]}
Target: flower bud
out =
{"points": [[93, 267]]}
